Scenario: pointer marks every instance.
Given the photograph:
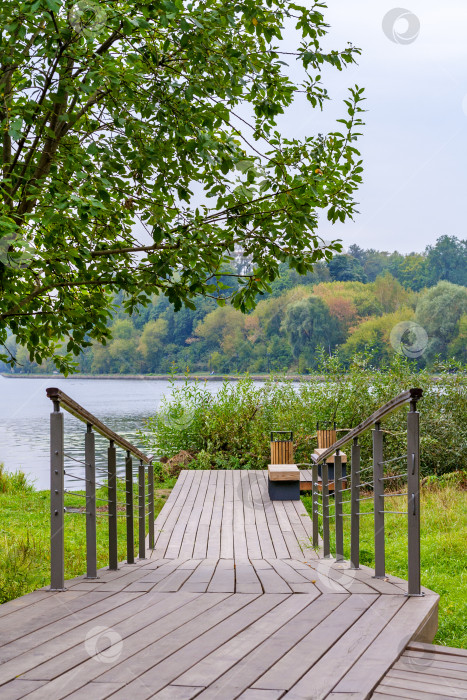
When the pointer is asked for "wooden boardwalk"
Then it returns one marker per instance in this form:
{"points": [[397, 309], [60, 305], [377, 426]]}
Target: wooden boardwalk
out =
{"points": [[233, 602]]}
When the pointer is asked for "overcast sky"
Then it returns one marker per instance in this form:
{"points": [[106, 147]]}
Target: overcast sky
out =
{"points": [[415, 139]]}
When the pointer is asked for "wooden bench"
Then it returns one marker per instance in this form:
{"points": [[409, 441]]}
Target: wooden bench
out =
{"points": [[284, 482]]}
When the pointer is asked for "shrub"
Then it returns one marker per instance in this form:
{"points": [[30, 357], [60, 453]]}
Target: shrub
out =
{"points": [[232, 427]]}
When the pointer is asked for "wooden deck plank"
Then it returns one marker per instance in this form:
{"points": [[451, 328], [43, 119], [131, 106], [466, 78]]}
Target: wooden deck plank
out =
{"points": [[175, 580], [417, 685], [227, 540], [14, 690], [200, 550], [298, 528], [325, 674], [165, 671], [270, 579], [432, 667], [208, 669], [424, 657], [167, 508], [139, 613], [246, 579], [165, 528], [288, 534], [18, 604], [223, 579], [194, 520], [177, 692], [317, 577], [391, 692], [429, 679], [178, 532], [255, 694], [288, 573], [174, 629], [44, 612], [436, 648], [94, 691], [291, 667], [375, 661], [277, 538], [214, 539], [256, 663], [240, 542], [201, 577], [251, 532], [262, 526], [98, 606]]}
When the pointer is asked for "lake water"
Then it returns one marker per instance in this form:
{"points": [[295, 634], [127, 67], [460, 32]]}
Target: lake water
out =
{"points": [[123, 405]]}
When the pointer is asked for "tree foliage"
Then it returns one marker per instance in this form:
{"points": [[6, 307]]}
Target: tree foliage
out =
{"points": [[160, 116]]}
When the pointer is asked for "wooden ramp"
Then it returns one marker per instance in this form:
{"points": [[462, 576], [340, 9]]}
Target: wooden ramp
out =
{"points": [[233, 602]]}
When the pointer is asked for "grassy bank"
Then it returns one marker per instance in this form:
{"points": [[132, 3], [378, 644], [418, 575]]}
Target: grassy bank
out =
{"points": [[443, 551], [25, 533]]}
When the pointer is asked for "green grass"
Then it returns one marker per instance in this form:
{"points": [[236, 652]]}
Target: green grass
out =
{"points": [[25, 535], [443, 551]]}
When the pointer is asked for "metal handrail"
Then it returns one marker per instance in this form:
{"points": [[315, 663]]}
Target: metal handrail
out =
{"points": [[376, 417], [82, 414], [377, 482], [58, 491]]}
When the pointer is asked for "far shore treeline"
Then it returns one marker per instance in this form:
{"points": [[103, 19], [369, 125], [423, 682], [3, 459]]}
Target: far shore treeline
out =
{"points": [[349, 304]]}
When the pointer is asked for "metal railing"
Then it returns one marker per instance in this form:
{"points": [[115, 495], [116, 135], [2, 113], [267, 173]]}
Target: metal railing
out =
{"points": [[375, 481], [58, 491]]}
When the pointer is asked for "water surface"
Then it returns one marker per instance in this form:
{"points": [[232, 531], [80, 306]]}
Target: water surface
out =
{"points": [[122, 404]]}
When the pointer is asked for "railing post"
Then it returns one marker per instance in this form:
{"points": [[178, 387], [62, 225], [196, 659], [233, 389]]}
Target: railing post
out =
{"points": [[141, 511], [91, 534], [413, 491], [112, 491], [57, 502], [325, 499], [151, 503], [355, 506], [130, 533], [338, 506], [315, 502], [378, 500]]}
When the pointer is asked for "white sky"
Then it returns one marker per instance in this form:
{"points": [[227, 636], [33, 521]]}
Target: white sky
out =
{"points": [[414, 144]]}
